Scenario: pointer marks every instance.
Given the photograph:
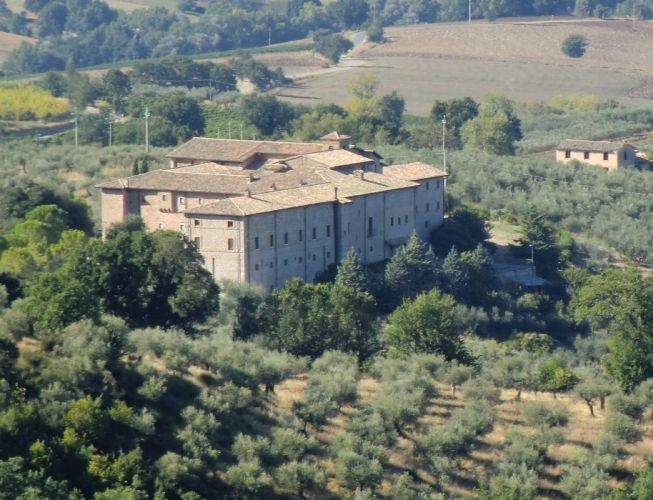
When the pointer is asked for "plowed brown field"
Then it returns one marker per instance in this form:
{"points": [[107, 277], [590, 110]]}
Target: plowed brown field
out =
{"points": [[520, 58]]}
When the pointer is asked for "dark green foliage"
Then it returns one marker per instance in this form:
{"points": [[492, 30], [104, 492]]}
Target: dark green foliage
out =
{"points": [[245, 321], [352, 274], [269, 115], [258, 73], [464, 229], [391, 112], [574, 46], [20, 195], [308, 319], [457, 112], [426, 324], [147, 279], [116, 86], [412, 269], [496, 128], [537, 235], [332, 46], [375, 33], [554, 376], [468, 276], [620, 301]]}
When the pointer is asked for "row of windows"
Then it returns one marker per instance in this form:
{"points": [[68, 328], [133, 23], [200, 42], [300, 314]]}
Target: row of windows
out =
{"points": [[300, 260], [586, 155], [286, 237], [427, 185]]}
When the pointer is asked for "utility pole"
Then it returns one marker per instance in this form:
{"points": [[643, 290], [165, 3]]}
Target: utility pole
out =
{"points": [[444, 144], [147, 129], [76, 115], [110, 120], [241, 131]]}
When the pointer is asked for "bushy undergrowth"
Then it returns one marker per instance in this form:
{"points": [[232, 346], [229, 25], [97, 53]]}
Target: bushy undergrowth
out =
{"points": [[544, 129], [611, 207]]}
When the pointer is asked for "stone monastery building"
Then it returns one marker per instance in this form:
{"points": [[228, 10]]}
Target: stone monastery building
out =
{"points": [[264, 212]]}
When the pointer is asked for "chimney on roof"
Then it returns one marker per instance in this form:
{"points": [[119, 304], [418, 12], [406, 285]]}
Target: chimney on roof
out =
{"points": [[335, 193], [360, 174], [273, 186], [248, 193]]}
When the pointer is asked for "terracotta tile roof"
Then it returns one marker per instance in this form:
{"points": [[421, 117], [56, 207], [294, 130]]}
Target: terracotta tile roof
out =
{"points": [[269, 202], [235, 150], [216, 179], [170, 180], [414, 171], [361, 183], [338, 158], [591, 146]]}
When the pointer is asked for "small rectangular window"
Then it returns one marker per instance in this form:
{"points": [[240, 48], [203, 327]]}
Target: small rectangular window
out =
{"points": [[301, 259], [371, 248], [198, 242], [606, 156], [406, 219], [230, 244], [392, 221], [567, 154], [182, 227], [301, 235], [160, 225], [164, 197], [438, 205], [271, 265], [196, 222], [285, 262], [200, 201], [256, 242], [314, 257], [272, 240], [328, 231], [314, 232], [428, 185], [426, 223], [586, 155], [181, 200], [399, 221], [437, 184], [230, 223], [370, 226], [285, 238], [625, 155], [255, 267], [328, 255]]}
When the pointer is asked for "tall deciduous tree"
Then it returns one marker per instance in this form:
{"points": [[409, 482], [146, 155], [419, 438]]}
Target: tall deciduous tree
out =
{"points": [[496, 128], [426, 325]]}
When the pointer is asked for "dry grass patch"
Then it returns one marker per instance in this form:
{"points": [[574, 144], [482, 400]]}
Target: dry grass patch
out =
{"points": [[520, 59], [10, 41], [289, 391]]}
